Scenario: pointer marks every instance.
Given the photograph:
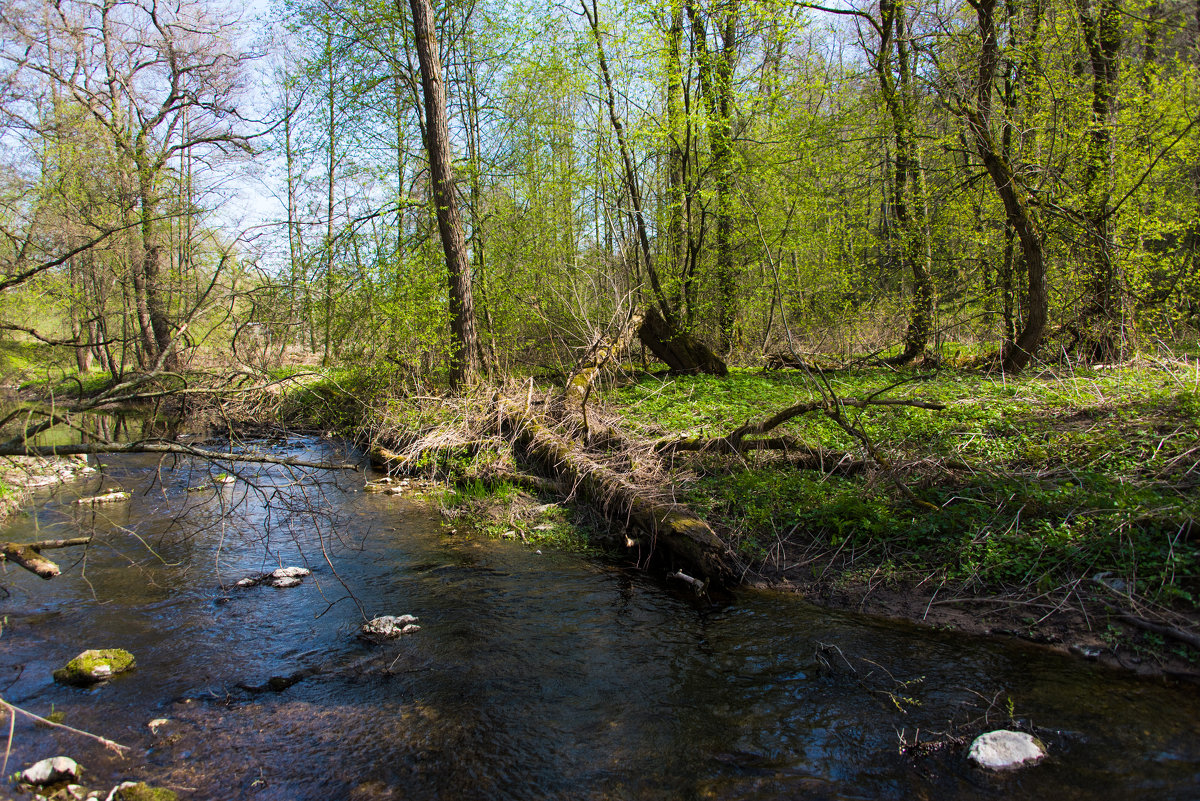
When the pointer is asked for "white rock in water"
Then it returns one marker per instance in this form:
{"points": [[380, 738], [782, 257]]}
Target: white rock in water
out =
{"points": [[1005, 750], [290, 572], [284, 583], [246, 582], [157, 723], [50, 771], [388, 626]]}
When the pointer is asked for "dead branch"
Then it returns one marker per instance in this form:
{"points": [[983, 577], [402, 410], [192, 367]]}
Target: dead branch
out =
{"points": [[104, 741], [158, 446], [733, 442], [1174, 633], [28, 555]]}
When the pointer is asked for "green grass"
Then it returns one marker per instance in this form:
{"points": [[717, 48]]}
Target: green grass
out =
{"points": [[1053, 477], [501, 510]]}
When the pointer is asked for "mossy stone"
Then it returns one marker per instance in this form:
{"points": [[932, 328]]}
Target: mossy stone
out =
{"points": [[144, 792], [95, 665]]}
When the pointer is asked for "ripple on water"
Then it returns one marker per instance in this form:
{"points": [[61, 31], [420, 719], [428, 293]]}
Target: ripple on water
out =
{"points": [[532, 676]]}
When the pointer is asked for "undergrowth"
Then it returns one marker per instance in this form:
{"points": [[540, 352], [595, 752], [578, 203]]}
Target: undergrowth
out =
{"points": [[1034, 482]]}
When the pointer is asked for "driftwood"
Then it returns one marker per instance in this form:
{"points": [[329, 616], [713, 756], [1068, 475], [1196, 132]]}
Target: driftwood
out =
{"points": [[665, 527], [28, 555], [108, 497]]}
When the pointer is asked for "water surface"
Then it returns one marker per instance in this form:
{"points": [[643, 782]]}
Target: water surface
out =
{"points": [[533, 676]]}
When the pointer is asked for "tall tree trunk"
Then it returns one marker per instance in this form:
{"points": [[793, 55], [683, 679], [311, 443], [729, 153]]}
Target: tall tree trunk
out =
{"points": [[1104, 322], [661, 331], [330, 168], [464, 358], [676, 156], [910, 220], [1019, 351], [153, 312], [716, 86]]}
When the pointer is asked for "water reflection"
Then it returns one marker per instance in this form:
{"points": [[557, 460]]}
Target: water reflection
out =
{"points": [[534, 676]]}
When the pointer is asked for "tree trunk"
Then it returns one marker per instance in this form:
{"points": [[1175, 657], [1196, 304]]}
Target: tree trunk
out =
{"points": [[716, 86], [686, 539], [464, 357], [1018, 352], [677, 349], [676, 158], [661, 331], [910, 229], [1103, 310]]}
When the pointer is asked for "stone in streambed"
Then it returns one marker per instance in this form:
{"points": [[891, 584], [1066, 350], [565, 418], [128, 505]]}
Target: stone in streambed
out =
{"points": [[94, 666], [51, 771], [282, 577], [387, 627], [1005, 750], [140, 791]]}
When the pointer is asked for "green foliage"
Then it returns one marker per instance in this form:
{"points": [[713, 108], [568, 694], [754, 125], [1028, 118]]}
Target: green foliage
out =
{"points": [[1069, 476]]}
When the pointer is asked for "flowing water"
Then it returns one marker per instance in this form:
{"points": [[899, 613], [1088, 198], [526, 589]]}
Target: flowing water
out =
{"points": [[533, 675]]}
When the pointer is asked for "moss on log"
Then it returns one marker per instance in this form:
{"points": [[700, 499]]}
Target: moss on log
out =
{"points": [[667, 528]]}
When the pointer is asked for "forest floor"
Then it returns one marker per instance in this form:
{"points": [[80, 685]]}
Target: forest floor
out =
{"points": [[1059, 507]]}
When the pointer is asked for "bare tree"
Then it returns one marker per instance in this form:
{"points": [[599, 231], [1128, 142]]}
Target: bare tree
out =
{"points": [[151, 80]]}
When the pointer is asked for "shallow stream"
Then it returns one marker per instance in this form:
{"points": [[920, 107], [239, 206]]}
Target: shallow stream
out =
{"points": [[533, 675]]}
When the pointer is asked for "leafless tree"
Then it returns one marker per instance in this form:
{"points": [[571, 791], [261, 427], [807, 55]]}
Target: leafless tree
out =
{"points": [[142, 83]]}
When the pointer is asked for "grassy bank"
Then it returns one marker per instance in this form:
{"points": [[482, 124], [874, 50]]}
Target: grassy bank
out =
{"points": [[1059, 491], [1033, 482]]}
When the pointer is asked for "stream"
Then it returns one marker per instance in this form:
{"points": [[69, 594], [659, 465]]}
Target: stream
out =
{"points": [[534, 675]]}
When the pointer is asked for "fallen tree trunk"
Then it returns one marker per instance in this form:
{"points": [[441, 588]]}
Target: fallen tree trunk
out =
{"points": [[28, 555], [668, 528], [811, 456]]}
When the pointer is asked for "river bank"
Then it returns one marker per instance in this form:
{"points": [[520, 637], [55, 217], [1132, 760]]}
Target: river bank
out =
{"points": [[1058, 508]]}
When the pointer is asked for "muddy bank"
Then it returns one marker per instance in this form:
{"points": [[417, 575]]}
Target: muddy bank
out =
{"points": [[1086, 630]]}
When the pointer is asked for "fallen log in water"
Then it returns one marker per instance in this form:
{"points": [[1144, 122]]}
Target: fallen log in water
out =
{"points": [[665, 527], [28, 555]]}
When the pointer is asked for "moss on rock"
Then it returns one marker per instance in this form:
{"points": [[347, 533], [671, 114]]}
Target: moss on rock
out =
{"points": [[144, 792], [95, 665]]}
